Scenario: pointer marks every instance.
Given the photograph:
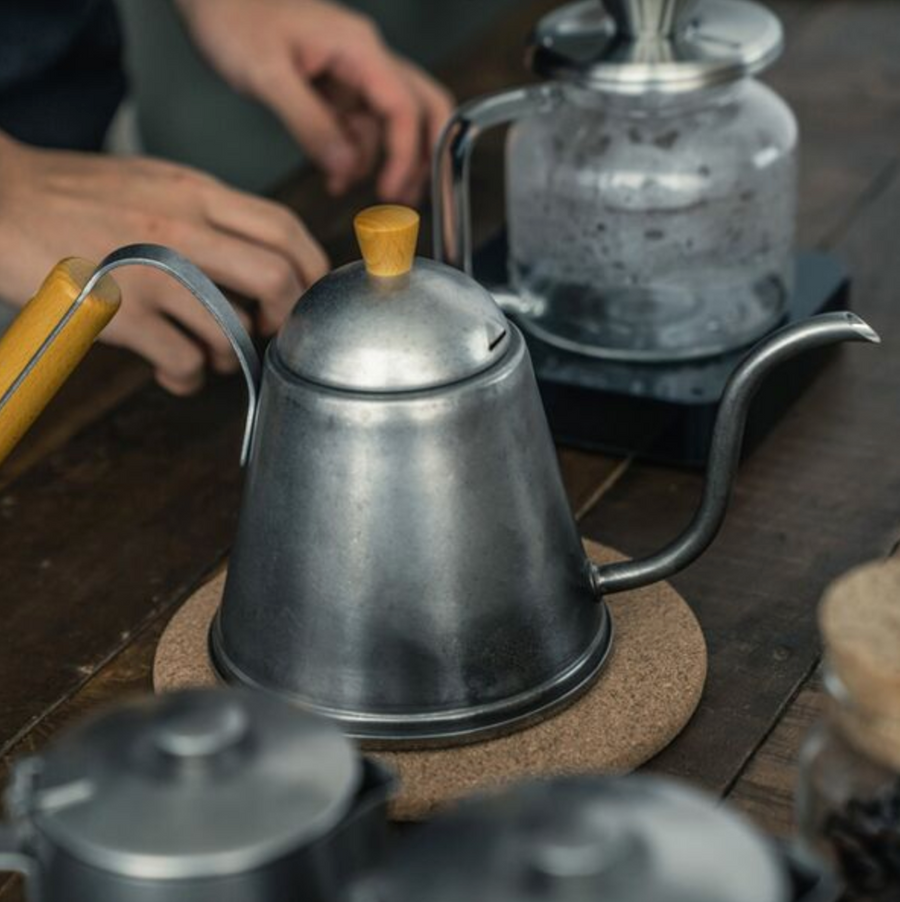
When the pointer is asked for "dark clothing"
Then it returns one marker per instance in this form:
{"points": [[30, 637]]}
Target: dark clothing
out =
{"points": [[61, 75]]}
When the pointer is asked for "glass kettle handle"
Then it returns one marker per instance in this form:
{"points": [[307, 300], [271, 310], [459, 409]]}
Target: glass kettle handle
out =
{"points": [[205, 291], [13, 857], [450, 195]]}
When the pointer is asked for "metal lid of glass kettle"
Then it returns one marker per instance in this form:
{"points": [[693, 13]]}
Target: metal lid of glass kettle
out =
{"points": [[666, 46], [392, 323], [194, 784], [585, 839]]}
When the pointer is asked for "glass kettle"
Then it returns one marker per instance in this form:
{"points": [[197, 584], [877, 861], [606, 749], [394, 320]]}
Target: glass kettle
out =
{"points": [[650, 180]]}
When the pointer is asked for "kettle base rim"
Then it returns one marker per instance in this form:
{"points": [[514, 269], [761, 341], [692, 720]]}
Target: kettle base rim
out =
{"points": [[442, 729]]}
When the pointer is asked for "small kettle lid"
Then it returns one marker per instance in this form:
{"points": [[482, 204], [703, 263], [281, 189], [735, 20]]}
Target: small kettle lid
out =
{"points": [[194, 784], [392, 322], [588, 838], [664, 46]]}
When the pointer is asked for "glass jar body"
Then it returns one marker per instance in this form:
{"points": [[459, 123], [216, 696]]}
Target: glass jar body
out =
{"points": [[654, 227], [848, 808]]}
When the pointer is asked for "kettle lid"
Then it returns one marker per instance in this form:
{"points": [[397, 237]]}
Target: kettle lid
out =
{"points": [[194, 784], [668, 46], [392, 323], [587, 838]]}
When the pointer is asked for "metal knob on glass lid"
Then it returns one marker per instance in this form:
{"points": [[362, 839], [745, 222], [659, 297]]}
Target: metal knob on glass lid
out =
{"points": [[585, 839], [192, 796], [651, 183], [663, 46]]}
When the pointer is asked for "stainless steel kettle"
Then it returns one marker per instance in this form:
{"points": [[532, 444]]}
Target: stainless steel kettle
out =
{"points": [[584, 839], [406, 560], [193, 797]]}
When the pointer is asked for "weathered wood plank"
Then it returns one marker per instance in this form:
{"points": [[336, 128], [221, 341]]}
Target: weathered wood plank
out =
{"points": [[845, 49], [106, 534], [767, 788]]}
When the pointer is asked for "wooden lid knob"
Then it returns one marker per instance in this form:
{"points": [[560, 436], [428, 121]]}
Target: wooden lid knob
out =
{"points": [[387, 236]]}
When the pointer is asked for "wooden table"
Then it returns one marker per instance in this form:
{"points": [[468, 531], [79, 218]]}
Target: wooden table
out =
{"points": [[123, 499]]}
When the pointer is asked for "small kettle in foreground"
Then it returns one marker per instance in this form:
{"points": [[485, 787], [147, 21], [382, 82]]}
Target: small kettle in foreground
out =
{"points": [[199, 796], [406, 560], [591, 838]]}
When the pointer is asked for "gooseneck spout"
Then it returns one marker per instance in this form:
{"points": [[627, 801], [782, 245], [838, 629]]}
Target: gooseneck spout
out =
{"points": [[725, 451]]}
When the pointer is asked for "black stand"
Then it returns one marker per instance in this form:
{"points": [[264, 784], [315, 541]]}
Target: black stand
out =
{"points": [[666, 412]]}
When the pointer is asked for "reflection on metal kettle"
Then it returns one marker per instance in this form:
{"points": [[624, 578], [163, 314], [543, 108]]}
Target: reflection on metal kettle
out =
{"points": [[406, 560]]}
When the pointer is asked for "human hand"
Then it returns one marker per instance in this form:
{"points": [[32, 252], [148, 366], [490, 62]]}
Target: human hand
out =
{"points": [[55, 204], [326, 73]]}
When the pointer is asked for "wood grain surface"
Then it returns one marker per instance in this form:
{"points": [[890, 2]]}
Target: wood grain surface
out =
{"points": [[122, 499]]}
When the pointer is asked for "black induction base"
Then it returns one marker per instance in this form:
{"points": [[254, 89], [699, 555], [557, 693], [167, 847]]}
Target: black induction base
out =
{"points": [[666, 412]]}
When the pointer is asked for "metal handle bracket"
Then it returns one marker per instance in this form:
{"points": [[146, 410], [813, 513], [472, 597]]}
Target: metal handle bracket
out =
{"points": [[205, 291]]}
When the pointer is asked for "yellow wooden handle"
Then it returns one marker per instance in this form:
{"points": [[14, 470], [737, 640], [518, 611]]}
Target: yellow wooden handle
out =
{"points": [[31, 328], [387, 236]]}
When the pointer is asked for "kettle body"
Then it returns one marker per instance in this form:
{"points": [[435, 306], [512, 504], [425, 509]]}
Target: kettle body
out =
{"points": [[409, 562]]}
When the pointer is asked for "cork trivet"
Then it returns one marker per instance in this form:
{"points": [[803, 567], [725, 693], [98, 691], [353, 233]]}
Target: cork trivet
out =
{"points": [[646, 694]]}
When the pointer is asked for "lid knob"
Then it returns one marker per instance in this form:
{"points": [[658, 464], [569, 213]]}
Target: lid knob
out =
{"points": [[645, 18], [202, 727], [387, 236]]}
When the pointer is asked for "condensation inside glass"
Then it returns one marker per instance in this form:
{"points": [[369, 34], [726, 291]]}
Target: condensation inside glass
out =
{"points": [[655, 229]]}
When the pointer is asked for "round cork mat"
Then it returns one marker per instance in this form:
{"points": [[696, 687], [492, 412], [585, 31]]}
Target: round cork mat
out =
{"points": [[646, 694]]}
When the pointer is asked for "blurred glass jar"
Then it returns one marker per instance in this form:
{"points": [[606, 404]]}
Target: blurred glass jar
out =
{"points": [[651, 181], [848, 799], [654, 226]]}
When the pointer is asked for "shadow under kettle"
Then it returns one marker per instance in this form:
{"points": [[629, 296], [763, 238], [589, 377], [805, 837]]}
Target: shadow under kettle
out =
{"points": [[407, 561]]}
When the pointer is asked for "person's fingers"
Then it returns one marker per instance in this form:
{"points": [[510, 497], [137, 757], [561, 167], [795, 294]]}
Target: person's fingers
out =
{"points": [[308, 118], [379, 80], [186, 311], [270, 224], [178, 362], [228, 363], [437, 101], [249, 269], [366, 132], [436, 104]]}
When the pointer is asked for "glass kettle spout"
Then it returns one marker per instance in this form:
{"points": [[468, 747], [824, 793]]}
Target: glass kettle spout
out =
{"points": [[725, 450]]}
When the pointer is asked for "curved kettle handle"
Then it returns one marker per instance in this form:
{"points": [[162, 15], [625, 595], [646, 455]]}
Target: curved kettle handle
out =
{"points": [[205, 291], [13, 857], [450, 170], [46, 341]]}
